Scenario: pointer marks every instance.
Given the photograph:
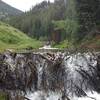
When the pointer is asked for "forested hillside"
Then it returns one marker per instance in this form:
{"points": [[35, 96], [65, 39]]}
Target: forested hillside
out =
{"points": [[64, 21], [6, 11]]}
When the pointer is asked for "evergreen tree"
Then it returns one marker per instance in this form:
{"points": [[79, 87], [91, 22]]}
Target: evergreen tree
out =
{"points": [[87, 15]]}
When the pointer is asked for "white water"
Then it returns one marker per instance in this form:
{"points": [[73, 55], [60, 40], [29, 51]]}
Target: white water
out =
{"points": [[48, 47], [54, 96], [71, 63], [93, 95]]}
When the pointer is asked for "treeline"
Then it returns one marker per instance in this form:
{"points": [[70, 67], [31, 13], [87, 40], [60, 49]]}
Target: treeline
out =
{"points": [[72, 19]]}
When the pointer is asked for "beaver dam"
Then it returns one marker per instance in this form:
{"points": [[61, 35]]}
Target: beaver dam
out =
{"points": [[50, 76]]}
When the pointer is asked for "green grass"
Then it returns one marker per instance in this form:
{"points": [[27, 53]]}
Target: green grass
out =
{"points": [[63, 45], [12, 38]]}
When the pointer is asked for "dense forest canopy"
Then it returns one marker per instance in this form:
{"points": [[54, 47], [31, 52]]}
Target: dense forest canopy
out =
{"points": [[72, 19]]}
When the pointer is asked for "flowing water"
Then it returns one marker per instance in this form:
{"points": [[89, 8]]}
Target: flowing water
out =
{"points": [[53, 76]]}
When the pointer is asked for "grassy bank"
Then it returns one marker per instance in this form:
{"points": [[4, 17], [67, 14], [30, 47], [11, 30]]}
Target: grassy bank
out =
{"points": [[11, 38], [62, 45]]}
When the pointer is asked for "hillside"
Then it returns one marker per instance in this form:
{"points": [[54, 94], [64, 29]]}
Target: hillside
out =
{"points": [[7, 10], [66, 25], [11, 38], [91, 42]]}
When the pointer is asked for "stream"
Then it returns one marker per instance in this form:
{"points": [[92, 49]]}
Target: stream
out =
{"points": [[51, 75]]}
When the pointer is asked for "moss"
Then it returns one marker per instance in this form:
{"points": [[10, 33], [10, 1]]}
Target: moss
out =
{"points": [[3, 96]]}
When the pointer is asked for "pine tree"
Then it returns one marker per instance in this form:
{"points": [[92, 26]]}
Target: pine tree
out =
{"points": [[87, 15]]}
